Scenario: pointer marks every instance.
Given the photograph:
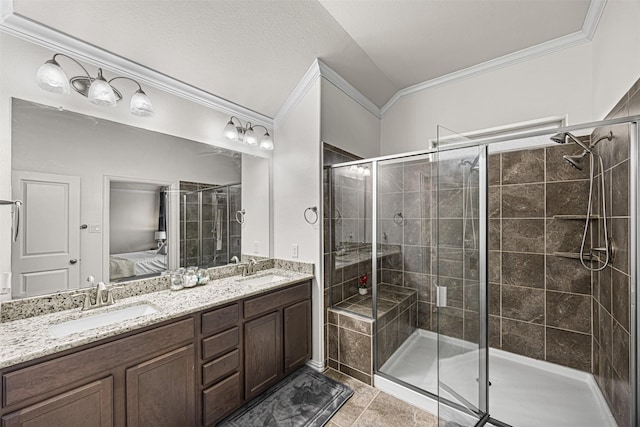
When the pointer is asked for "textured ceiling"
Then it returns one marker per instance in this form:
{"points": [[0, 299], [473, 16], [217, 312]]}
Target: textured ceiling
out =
{"points": [[416, 41], [254, 52]]}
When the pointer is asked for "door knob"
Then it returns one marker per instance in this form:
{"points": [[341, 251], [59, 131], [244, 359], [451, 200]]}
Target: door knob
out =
{"points": [[73, 261], [84, 227]]}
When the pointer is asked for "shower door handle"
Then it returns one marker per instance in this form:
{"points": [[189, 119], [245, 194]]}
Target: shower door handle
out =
{"points": [[441, 296]]}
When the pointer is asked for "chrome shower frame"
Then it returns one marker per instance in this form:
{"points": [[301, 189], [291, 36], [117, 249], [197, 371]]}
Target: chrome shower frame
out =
{"points": [[634, 247]]}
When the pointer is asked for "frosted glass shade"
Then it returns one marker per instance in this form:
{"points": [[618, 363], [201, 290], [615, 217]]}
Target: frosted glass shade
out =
{"points": [[250, 137], [230, 131], [51, 78], [160, 235], [141, 104], [101, 92], [266, 143]]}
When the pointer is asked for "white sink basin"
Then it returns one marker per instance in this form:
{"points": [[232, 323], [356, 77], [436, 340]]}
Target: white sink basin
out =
{"points": [[99, 320], [263, 280]]}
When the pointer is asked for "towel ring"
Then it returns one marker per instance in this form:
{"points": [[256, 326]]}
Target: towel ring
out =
{"points": [[398, 218], [240, 216], [314, 210]]}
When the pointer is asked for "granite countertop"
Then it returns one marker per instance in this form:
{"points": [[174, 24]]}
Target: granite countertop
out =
{"points": [[28, 339]]}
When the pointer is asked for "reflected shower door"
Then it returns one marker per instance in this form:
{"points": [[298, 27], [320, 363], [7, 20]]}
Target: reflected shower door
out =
{"points": [[460, 287]]}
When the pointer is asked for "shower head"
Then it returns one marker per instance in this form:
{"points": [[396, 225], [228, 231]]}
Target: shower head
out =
{"points": [[563, 138], [577, 160]]}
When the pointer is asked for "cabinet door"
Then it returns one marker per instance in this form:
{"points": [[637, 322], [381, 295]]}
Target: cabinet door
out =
{"points": [[87, 406], [161, 391], [297, 335], [263, 353]]}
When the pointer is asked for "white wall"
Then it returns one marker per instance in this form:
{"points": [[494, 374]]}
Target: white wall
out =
{"points": [[296, 186], [555, 84], [255, 202], [133, 219], [346, 124], [616, 54]]}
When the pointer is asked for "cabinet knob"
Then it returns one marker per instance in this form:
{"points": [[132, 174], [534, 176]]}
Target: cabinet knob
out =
{"points": [[73, 261]]}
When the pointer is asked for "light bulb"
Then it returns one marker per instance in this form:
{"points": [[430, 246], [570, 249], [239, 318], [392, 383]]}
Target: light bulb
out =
{"points": [[250, 137], [266, 143], [230, 132], [101, 92], [367, 172], [353, 169], [360, 170], [141, 104], [52, 78]]}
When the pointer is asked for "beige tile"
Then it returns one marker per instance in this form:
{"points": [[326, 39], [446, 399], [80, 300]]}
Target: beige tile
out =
{"points": [[363, 394], [386, 410]]}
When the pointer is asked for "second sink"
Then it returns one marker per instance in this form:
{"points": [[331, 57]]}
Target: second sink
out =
{"points": [[263, 280]]}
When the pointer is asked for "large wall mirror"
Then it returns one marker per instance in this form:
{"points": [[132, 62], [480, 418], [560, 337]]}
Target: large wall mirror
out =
{"points": [[117, 202]]}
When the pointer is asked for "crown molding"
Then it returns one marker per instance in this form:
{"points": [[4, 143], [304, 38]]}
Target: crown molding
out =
{"points": [[301, 89], [320, 69], [585, 35], [596, 8], [31, 31], [346, 87]]}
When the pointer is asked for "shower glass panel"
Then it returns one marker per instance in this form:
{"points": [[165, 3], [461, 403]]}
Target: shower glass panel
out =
{"points": [[210, 234], [460, 262], [406, 341], [350, 260]]}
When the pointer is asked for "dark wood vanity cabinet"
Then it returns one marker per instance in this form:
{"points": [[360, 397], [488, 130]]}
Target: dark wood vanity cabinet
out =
{"points": [[192, 371], [120, 382], [90, 405], [161, 391], [277, 336]]}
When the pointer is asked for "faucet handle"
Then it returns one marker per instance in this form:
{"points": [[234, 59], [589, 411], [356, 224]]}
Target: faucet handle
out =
{"points": [[110, 299], [86, 304], [91, 279]]}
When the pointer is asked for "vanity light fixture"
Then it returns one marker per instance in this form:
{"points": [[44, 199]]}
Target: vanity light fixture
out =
{"points": [[52, 78], [246, 134], [359, 170]]}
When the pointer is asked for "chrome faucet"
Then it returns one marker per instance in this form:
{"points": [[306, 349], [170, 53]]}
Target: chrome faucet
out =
{"points": [[249, 268], [234, 260], [101, 290]]}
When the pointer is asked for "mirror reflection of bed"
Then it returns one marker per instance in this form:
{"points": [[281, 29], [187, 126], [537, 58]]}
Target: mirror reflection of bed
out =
{"points": [[138, 230]]}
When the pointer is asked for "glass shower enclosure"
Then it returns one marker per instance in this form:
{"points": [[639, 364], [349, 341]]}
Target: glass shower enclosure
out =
{"points": [[478, 292], [210, 227]]}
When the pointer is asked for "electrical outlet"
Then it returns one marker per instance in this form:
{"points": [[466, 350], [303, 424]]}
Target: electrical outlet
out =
{"points": [[94, 228], [294, 250], [256, 247]]}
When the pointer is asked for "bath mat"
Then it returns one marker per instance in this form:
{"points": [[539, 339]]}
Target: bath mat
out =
{"points": [[305, 398]]}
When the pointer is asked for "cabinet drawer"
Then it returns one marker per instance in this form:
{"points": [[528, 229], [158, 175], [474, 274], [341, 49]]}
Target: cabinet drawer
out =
{"points": [[221, 343], [216, 369], [220, 319], [64, 371], [267, 303], [221, 399]]}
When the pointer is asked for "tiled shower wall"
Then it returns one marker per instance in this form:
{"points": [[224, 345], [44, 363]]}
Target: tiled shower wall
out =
{"points": [[539, 293], [411, 188], [611, 290]]}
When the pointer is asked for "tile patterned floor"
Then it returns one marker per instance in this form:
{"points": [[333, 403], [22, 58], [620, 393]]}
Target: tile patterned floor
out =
{"points": [[370, 407]]}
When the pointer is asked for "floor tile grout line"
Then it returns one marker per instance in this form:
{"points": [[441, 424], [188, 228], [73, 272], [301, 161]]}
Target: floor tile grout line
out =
{"points": [[377, 392]]}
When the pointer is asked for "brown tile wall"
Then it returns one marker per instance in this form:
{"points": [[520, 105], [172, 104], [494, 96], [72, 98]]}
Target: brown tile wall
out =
{"points": [[611, 290], [333, 290], [539, 300], [350, 344]]}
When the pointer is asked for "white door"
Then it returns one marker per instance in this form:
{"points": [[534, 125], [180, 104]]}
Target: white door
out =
{"points": [[46, 256]]}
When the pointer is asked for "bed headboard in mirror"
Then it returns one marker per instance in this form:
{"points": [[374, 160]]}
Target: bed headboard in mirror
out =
{"points": [[116, 202]]}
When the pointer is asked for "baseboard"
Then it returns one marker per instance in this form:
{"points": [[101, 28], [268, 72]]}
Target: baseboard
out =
{"points": [[318, 366]]}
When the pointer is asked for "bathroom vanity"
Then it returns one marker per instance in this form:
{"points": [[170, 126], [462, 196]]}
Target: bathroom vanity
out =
{"points": [[205, 353]]}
